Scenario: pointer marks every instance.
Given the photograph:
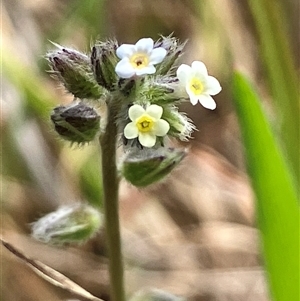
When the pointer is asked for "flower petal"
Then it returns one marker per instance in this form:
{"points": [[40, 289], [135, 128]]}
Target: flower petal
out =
{"points": [[157, 55], [144, 45], [193, 98], [161, 127], [212, 86], [125, 50], [146, 70], [207, 101], [147, 139], [135, 112], [131, 131], [154, 111], [124, 69], [184, 72], [199, 69]]}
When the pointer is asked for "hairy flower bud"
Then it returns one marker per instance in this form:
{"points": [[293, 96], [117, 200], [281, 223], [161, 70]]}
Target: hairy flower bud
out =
{"points": [[74, 70], [180, 126], [144, 167], [174, 50], [158, 90], [69, 224], [104, 60], [76, 122]]}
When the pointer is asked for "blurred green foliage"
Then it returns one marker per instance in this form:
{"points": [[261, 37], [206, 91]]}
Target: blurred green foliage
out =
{"points": [[273, 160], [276, 56], [277, 204]]}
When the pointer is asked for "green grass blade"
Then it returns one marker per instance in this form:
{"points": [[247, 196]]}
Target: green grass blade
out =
{"points": [[277, 206], [281, 74]]}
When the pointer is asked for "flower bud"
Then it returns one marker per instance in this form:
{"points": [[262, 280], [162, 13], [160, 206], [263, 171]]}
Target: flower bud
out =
{"points": [[154, 295], [69, 224], [76, 122], [144, 167], [180, 125], [158, 90], [74, 70], [104, 60], [174, 50]]}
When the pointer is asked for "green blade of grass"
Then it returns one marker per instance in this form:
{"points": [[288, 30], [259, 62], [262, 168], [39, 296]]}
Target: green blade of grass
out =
{"points": [[277, 206], [281, 74]]}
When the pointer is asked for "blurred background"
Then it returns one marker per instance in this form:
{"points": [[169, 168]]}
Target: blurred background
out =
{"points": [[194, 234]]}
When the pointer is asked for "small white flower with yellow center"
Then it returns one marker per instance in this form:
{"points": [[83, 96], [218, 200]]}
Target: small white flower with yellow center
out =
{"points": [[198, 84], [138, 59], [146, 124]]}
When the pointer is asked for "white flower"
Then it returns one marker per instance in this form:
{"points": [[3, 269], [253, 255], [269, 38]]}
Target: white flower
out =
{"points": [[198, 84], [146, 124], [139, 59]]}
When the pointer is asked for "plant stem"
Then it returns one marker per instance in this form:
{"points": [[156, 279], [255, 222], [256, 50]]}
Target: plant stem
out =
{"points": [[110, 191]]}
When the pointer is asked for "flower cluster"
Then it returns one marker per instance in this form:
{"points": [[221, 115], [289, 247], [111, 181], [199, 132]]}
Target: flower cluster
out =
{"points": [[141, 82], [150, 114]]}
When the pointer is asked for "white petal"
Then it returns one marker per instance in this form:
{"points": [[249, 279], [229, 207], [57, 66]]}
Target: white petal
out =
{"points": [[212, 86], [125, 50], [146, 70], [161, 128], [144, 45], [157, 55], [154, 111], [184, 72], [147, 139], [199, 69], [207, 102], [124, 69], [193, 98], [131, 131], [135, 112]]}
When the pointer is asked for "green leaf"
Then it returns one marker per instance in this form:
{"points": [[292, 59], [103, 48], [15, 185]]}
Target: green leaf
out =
{"points": [[277, 204]]}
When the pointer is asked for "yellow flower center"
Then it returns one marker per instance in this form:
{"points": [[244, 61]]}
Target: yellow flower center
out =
{"points": [[145, 123], [196, 86], [139, 60]]}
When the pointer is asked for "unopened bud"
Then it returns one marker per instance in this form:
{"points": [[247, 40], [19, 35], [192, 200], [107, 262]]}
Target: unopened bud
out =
{"points": [[144, 167], [77, 122], [174, 50], [69, 224], [180, 126], [158, 91], [104, 60], [74, 70]]}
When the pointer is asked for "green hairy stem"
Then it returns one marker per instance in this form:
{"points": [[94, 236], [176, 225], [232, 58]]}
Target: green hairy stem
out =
{"points": [[110, 200]]}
